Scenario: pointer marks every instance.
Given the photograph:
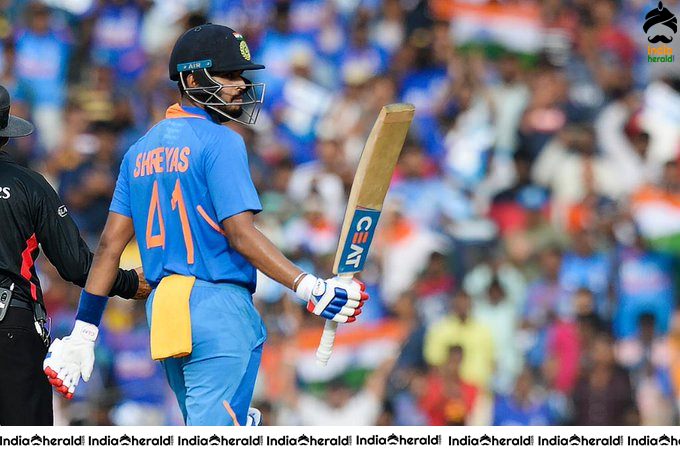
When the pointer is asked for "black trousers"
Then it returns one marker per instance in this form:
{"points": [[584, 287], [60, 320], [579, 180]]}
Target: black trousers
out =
{"points": [[25, 394]]}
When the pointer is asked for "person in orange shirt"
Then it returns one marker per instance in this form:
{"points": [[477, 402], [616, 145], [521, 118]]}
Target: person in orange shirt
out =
{"points": [[449, 399]]}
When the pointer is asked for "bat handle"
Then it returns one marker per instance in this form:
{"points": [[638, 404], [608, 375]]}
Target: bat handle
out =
{"points": [[325, 349]]}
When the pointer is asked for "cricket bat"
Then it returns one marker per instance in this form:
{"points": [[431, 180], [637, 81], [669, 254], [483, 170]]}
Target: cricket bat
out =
{"points": [[371, 181]]}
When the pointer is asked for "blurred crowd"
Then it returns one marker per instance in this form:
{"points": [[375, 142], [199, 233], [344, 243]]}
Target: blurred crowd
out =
{"points": [[525, 267]]}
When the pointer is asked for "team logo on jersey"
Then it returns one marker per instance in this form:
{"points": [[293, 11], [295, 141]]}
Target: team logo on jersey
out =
{"points": [[243, 47], [62, 211]]}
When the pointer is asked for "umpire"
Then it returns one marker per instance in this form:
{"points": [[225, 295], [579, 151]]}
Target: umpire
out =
{"points": [[31, 214]]}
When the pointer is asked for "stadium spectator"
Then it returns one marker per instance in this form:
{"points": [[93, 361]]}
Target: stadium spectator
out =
{"points": [[523, 406], [87, 188], [322, 178], [41, 59], [645, 286], [545, 295], [586, 267], [475, 338], [449, 400], [116, 40], [603, 394]]}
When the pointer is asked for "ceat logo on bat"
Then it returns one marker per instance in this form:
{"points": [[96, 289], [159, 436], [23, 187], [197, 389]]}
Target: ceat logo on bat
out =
{"points": [[358, 240]]}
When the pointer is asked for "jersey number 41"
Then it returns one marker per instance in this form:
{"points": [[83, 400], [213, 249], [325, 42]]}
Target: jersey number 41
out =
{"points": [[177, 203]]}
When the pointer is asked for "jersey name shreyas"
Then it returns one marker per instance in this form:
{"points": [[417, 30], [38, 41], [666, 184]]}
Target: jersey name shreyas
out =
{"points": [[162, 160]]}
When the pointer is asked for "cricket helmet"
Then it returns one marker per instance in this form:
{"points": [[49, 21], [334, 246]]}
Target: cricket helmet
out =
{"points": [[209, 50]]}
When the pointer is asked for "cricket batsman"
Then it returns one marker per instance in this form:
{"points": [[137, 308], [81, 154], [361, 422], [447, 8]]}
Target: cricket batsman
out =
{"points": [[185, 191]]}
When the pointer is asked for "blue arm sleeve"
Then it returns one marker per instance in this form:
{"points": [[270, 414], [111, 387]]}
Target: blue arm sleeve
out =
{"points": [[121, 196], [228, 177], [91, 308]]}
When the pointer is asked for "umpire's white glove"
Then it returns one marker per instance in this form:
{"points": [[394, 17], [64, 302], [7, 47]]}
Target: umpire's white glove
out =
{"points": [[334, 299], [70, 358]]}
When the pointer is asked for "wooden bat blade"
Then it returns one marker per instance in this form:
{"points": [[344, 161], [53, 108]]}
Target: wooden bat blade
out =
{"points": [[371, 181]]}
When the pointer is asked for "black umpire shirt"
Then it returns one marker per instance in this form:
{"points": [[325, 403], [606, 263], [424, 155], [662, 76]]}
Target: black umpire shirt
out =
{"points": [[32, 214]]}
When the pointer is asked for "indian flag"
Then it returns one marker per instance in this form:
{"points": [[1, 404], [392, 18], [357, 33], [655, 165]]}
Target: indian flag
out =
{"points": [[360, 346], [657, 214], [516, 26]]}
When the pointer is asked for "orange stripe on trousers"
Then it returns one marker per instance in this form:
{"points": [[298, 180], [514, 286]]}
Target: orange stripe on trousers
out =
{"points": [[231, 413]]}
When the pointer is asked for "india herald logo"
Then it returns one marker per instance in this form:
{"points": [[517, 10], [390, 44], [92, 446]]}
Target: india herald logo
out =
{"points": [[660, 26], [359, 239], [659, 22]]}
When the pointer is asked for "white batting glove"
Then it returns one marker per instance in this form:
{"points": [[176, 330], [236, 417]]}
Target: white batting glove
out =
{"points": [[71, 358], [254, 417], [334, 298]]}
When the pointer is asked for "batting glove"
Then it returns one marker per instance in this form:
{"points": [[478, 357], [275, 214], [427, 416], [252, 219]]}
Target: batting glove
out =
{"points": [[71, 358], [254, 417], [335, 299]]}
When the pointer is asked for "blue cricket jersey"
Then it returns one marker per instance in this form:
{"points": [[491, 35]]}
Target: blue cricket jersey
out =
{"points": [[177, 183]]}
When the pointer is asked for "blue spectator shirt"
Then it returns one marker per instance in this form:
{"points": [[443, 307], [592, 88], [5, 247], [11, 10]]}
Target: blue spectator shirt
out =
{"points": [[417, 88], [644, 284], [117, 40], [178, 183], [591, 272], [645, 278], [506, 412], [41, 63]]}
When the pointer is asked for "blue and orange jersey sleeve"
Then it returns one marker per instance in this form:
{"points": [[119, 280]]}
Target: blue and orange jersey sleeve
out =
{"points": [[228, 177], [121, 196]]}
